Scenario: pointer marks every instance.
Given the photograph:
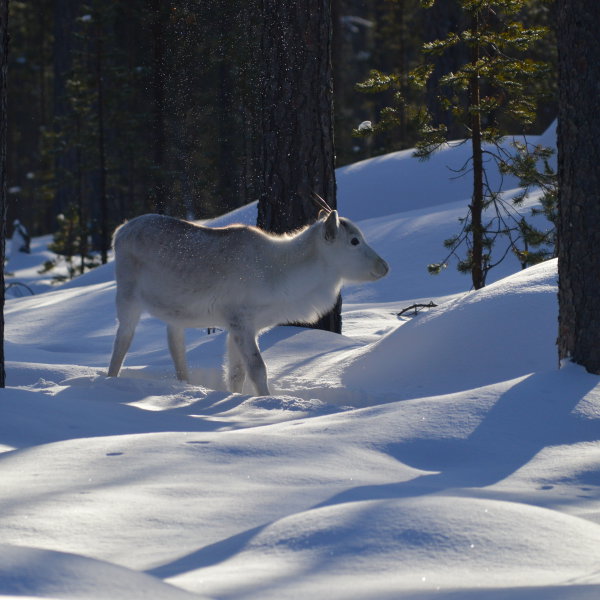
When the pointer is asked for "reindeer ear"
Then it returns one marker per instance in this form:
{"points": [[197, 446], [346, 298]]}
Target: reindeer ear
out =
{"points": [[332, 225]]}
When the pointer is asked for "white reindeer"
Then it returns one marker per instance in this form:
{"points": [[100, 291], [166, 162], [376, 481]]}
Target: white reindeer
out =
{"points": [[237, 278]]}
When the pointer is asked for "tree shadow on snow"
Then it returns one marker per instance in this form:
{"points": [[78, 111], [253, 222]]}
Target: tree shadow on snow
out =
{"points": [[530, 416], [107, 407], [533, 414]]}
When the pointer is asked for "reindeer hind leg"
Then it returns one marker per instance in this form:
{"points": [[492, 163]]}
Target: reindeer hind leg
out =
{"points": [[129, 313], [176, 339]]}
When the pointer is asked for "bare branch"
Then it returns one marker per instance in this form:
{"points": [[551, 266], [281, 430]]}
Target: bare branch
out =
{"points": [[415, 307]]}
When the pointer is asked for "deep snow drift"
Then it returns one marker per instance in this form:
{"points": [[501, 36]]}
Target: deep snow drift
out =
{"points": [[442, 455]]}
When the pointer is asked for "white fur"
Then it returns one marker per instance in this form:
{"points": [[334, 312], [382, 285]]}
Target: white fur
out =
{"points": [[238, 278]]}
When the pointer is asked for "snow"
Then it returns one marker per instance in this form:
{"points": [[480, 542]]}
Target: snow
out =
{"points": [[437, 456]]}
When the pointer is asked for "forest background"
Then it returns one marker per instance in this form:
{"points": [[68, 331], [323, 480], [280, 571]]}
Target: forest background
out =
{"points": [[120, 108]]}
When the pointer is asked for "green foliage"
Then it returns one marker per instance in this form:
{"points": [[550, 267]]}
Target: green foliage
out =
{"points": [[532, 167], [492, 91], [504, 74]]}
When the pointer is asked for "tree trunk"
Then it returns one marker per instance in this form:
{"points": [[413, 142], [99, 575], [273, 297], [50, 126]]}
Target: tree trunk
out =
{"points": [[103, 200], [227, 167], [3, 130], [477, 262], [65, 45], [579, 183], [296, 117], [159, 23]]}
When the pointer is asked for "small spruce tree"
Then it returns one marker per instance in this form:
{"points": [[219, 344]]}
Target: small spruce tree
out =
{"points": [[493, 92], [71, 244], [490, 92]]}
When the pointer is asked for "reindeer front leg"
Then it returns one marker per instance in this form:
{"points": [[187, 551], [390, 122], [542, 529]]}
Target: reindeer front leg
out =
{"points": [[176, 339], [245, 345]]}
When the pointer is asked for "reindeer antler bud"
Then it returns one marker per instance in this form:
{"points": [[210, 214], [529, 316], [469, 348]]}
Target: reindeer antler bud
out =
{"points": [[320, 203]]}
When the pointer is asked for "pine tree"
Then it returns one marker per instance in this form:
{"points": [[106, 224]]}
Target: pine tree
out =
{"points": [[491, 93]]}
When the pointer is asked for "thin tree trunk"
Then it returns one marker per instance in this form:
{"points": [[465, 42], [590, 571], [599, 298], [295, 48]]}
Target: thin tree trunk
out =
{"points": [[158, 88], [3, 131], [296, 117], [42, 71], [80, 199], [64, 47], [579, 183], [227, 168], [477, 266], [104, 235], [402, 68]]}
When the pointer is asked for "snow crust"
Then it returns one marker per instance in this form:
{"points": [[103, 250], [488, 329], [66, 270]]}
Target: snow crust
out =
{"points": [[437, 456]]}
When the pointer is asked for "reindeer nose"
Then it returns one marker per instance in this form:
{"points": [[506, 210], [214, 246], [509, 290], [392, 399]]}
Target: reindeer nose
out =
{"points": [[381, 268]]}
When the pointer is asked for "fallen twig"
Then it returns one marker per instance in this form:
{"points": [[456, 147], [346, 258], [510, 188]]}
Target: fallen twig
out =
{"points": [[415, 307]]}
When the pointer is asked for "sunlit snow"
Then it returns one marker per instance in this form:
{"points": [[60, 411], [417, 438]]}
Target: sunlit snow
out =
{"points": [[437, 456]]}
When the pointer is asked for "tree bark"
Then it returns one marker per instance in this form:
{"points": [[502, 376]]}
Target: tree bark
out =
{"points": [[227, 126], [296, 117], [477, 262], [3, 131], [579, 183], [296, 113], [159, 22], [64, 47], [102, 197]]}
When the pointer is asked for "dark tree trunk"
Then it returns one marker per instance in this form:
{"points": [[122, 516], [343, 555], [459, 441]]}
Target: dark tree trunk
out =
{"points": [[478, 271], [227, 126], [102, 197], [3, 130], [579, 183], [296, 117], [159, 23], [64, 48]]}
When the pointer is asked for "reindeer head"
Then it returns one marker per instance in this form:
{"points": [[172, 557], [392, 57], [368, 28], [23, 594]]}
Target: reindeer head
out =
{"points": [[355, 260]]}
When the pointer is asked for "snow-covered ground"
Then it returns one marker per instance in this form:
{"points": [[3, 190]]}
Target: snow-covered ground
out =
{"points": [[437, 456]]}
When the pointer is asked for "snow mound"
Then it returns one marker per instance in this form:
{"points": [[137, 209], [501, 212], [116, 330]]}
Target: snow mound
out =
{"points": [[373, 548], [246, 215], [473, 341], [399, 182], [48, 574], [101, 274]]}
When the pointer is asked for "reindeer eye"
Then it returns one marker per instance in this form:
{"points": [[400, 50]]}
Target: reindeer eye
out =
{"points": [[355, 241]]}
